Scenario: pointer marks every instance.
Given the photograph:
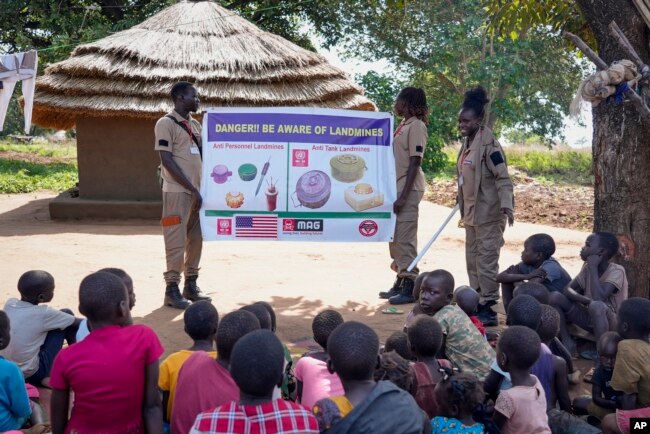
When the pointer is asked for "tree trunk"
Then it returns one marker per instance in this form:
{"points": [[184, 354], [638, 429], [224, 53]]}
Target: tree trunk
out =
{"points": [[621, 148]]}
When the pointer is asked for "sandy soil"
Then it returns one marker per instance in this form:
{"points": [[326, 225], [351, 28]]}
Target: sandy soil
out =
{"points": [[299, 279]]}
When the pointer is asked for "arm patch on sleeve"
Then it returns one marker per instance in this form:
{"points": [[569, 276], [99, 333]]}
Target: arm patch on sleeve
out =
{"points": [[163, 143], [419, 149], [496, 158]]}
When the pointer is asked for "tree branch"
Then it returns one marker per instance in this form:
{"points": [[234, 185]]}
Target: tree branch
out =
{"points": [[600, 63], [423, 65]]}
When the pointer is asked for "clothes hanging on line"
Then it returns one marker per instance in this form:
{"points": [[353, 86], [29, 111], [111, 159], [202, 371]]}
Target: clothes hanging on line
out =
{"points": [[14, 68]]}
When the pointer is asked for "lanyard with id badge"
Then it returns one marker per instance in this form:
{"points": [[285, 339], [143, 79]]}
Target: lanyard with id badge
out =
{"points": [[464, 161], [195, 150]]}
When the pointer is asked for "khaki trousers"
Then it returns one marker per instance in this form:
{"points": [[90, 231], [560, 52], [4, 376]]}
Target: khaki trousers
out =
{"points": [[183, 238], [404, 247], [482, 248]]}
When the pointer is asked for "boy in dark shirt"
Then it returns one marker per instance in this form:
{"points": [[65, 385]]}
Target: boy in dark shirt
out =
{"points": [[603, 400], [537, 265]]}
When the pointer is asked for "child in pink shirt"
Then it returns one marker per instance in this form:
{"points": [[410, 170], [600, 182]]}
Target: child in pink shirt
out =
{"points": [[522, 408], [315, 382], [113, 372]]}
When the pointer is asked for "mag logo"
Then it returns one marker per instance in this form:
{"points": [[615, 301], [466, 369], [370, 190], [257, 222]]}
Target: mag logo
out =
{"points": [[302, 225], [224, 226], [300, 158]]}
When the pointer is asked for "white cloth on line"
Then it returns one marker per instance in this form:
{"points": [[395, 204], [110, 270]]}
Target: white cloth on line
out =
{"points": [[13, 68]]}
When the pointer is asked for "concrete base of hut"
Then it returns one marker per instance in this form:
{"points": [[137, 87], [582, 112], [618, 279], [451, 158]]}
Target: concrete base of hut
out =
{"points": [[65, 207]]}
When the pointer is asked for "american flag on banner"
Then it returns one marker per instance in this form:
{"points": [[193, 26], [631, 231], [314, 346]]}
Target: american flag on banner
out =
{"points": [[256, 226]]}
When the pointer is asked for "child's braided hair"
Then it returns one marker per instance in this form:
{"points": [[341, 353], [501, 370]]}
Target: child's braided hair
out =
{"points": [[396, 369], [465, 391]]}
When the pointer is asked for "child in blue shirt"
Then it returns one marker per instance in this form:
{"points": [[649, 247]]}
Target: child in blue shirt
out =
{"points": [[14, 403], [537, 265]]}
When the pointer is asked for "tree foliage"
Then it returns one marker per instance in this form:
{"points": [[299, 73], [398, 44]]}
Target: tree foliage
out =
{"points": [[449, 46]]}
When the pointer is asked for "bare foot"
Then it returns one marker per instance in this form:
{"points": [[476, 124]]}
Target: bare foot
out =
{"points": [[41, 428]]}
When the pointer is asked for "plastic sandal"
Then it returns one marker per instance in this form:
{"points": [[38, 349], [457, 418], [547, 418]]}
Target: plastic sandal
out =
{"points": [[392, 311]]}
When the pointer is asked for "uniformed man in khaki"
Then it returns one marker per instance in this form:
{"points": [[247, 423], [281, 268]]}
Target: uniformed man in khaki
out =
{"points": [[409, 143], [178, 141], [485, 197]]}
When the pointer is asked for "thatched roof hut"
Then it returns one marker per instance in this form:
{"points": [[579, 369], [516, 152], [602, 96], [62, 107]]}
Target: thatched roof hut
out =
{"points": [[232, 62], [114, 89]]}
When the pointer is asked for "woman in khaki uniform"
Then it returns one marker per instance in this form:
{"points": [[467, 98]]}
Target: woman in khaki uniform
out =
{"points": [[486, 200], [409, 142]]}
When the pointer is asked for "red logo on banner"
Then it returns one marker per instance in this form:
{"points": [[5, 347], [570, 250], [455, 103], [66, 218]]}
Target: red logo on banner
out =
{"points": [[300, 158], [224, 227], [368, 228], [288, 225]]}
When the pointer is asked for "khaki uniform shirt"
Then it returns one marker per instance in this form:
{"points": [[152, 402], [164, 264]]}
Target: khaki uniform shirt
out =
{"points": [[173, 138], [483, 180], [410, 140]]}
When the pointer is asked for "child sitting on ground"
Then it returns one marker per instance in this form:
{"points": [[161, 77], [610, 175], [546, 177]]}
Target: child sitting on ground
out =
{"points": [[288, 389], [367, 406], [398, 342], [113, 373], [525, 311], [631, 370], [262, 315], [204, 383], [200, 319], [425, 337], [315, 382], [535, 290], [394, 368], [537, 265], [467, 299], [39, 330], [462, 344], [460, 398], [603, 398], [595, 294], [522, 408], [541, 294], [128, 282], [15, 408], [257, 365]]}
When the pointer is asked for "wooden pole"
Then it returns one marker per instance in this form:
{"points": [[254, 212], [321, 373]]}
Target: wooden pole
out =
{"points": [[624, 43], [622, 40], [644, 10]]}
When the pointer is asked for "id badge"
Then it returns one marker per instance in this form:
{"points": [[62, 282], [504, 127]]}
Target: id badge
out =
{"points": [[461, 180], [194, 150]]}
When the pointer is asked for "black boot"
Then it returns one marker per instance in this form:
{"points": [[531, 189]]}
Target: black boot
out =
{"points": [[487, 316], [405, 295], [393, 291], [173, 297], [193, 292]]}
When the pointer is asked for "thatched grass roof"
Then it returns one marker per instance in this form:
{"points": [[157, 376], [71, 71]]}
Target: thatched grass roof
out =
{"points": [[231, 61]]}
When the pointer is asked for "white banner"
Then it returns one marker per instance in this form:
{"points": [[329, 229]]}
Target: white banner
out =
{"points": [[297, 174]]}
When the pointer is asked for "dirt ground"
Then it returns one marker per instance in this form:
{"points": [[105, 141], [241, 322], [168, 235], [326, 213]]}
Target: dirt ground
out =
{"points": [[566, 206], [299, 279]]}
